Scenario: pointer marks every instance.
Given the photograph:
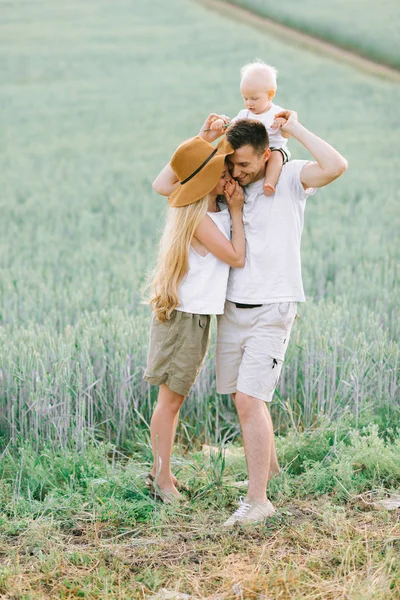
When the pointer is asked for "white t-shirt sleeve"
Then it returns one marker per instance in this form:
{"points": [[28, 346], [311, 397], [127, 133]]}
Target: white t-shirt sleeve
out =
{"points": [[292, 173], [242, 114]]}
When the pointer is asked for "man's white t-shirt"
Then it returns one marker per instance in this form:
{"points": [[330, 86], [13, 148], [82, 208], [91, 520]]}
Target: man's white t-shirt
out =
{"points": [[276, 139], [273, 226]]}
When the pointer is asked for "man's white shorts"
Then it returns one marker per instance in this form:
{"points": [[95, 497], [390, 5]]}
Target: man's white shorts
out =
{"points": [[251, 346]]}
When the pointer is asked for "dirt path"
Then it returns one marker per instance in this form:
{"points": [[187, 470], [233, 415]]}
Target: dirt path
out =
{"points": [[302, 39]]}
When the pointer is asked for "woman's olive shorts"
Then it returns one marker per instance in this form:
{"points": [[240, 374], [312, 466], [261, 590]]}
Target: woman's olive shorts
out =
{"points": [[177, 350]]}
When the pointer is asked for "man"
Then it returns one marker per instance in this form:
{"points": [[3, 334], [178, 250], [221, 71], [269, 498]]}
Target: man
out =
{"points": [[254, 331]]}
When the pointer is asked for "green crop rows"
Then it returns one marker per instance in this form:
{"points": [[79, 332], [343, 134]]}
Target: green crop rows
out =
{"points": [[368, 28], [95, 97]]}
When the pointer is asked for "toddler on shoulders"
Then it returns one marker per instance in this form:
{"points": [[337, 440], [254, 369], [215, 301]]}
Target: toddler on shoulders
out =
{"points": [[258, 88]]}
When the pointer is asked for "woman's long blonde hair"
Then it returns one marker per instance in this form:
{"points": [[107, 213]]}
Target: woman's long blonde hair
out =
{"points": [[173, 256]]}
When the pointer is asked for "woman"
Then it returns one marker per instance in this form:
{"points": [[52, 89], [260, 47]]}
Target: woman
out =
{"points": [[189, 282]]}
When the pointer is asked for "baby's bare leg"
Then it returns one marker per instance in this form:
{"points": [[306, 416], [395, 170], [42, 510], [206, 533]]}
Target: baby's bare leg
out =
{"points": [[273, 169]]}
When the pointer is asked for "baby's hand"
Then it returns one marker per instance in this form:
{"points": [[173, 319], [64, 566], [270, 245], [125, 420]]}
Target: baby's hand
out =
{"points": [[214, 126], [234, 195], [289, 118], [217, 125], [278, 123]]}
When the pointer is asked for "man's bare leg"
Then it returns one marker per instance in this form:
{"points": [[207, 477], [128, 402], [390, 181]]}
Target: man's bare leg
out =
{"points": [[162, 430], [257, 432], [274, 467]]}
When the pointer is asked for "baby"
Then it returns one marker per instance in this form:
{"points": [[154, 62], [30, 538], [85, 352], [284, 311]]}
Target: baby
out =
{"points": [[258, 87]]}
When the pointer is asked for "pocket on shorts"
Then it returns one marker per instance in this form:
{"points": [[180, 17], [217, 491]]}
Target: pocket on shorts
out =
{"points": [[287, 312], [160, 333], [204, 340], [274, 371], [193, 328], [203, 321], [192, 345]]}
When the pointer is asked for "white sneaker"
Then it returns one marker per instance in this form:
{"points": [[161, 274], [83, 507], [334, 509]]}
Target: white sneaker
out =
{"points": [[250, 512]]}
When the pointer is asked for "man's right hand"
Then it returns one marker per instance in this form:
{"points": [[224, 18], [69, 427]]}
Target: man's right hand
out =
{"points": [[328, 165], [213, 127]]}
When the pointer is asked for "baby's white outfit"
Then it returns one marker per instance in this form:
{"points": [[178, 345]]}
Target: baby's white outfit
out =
{"points": [[276, 139]]}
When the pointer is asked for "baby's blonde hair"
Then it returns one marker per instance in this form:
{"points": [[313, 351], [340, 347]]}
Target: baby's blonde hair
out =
{"points": [[266, 73], [173, 257]]}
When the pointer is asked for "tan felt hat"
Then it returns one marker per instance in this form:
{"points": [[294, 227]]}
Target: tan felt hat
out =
{"points": [[198, 166]]}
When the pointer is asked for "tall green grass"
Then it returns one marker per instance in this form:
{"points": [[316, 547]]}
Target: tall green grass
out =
{"points": [[366, 27], [60, 482], [82, 525], [95, 98]]}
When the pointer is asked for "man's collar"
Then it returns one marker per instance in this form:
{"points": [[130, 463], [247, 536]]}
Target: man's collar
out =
{"points": [[256, 186]]}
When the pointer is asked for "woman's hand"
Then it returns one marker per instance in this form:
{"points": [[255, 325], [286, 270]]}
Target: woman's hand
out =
{"points": [[232, 252], [213, 127], [234, 196]]}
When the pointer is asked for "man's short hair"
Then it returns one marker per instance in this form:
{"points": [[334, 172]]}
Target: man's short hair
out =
{"points": [[248, 132]]}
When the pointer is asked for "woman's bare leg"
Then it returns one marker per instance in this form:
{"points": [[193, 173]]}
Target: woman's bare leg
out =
{"points": [[162, 430]]}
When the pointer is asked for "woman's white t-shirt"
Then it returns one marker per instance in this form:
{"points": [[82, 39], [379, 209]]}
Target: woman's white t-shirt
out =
{"points": [[203, 289]]}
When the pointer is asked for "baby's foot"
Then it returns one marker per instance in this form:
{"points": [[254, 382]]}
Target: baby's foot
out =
{"points": [[269, 189]]}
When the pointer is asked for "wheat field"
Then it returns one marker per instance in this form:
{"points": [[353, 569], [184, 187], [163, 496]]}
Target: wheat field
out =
{"points": [[95, 97]]}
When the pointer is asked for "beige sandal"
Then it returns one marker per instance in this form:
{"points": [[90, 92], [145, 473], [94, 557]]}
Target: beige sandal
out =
{"points": [[158, 493], [150, 480]]}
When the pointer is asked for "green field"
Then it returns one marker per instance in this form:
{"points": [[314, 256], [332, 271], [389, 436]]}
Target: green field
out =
{"points": [[82, 526], [95, 96], [368, 28]]}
